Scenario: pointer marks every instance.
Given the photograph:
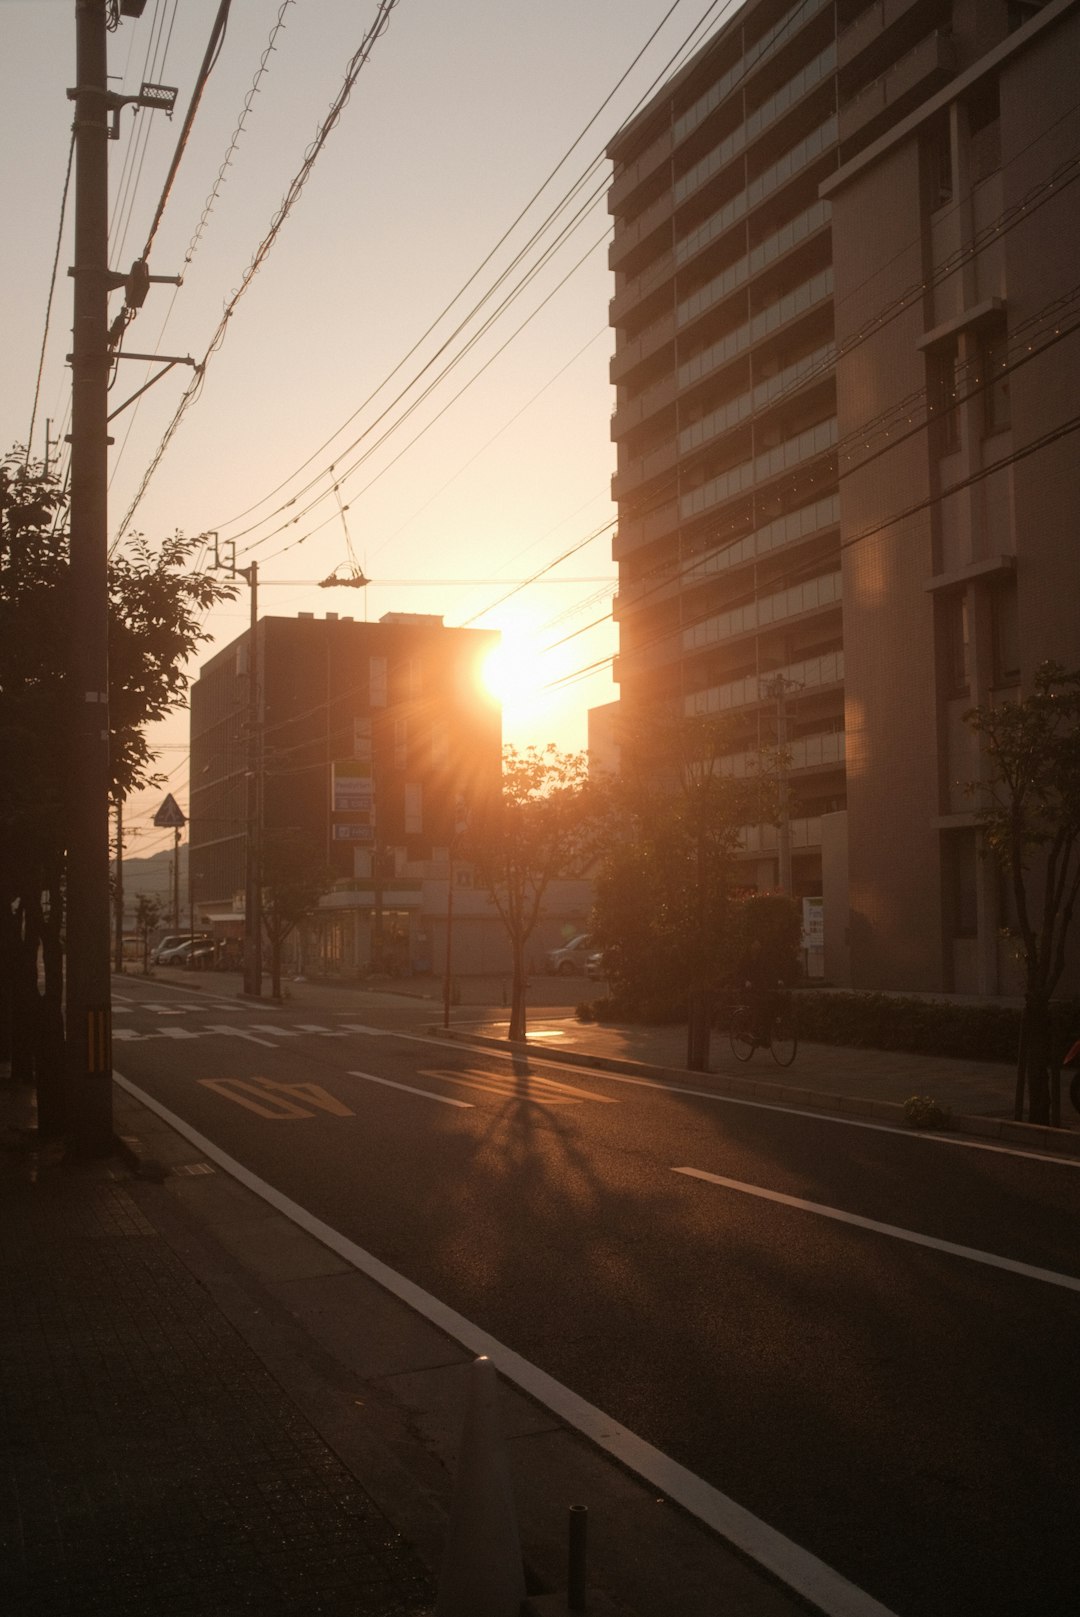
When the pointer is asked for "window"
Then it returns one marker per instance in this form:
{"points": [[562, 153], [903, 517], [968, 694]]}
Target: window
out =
{"points": [[961, 873], [1005, 616], [941, 396], [377, 681], [938, 157], [955, 643], [994, 377], [414, 809], [401, 743]]}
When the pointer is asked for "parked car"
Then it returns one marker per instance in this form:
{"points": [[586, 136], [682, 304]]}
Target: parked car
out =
{"points": [[594, 966], [569, 961], [174, 951]]}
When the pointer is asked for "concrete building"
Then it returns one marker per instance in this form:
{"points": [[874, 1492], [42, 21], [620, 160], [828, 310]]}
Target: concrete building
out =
{"points": [[812, 164], [375, 740]]}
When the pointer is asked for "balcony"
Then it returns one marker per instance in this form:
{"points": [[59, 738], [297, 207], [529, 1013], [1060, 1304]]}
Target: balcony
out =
{"points": [[635, 292], [912, 79], [629, 355], [632, 533], [630, 175], [635, 470], [647, 403], [630, 235], [870, 27], [811, 673]]}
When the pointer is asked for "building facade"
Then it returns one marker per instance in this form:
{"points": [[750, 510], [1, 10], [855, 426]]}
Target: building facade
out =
{"points": [[371, 743], [810, 165]]}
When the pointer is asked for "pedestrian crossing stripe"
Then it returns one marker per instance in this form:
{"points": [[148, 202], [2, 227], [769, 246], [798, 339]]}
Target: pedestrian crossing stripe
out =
{"points": [[513, 1086]]}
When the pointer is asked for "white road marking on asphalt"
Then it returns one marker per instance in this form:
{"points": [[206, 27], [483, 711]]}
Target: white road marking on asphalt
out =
{"points": [[128, 1035], [269, 1027], [789, 1562], [505, 1088], [409, 1090], [314, 1027], [175, 1033], [822, 1115], [238, 1033], [376, 1032], [1050, 1277]]}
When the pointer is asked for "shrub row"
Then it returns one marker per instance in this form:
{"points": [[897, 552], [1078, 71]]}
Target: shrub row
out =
{"points": [[918, 1026]]}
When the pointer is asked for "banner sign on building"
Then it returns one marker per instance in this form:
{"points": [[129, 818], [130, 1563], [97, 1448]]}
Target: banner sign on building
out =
{"points": [[352, 786], [354, 833]]}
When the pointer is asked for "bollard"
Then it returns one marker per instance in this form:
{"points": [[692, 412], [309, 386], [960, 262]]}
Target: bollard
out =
{"points": [[576, 1558], [482, 1573]]}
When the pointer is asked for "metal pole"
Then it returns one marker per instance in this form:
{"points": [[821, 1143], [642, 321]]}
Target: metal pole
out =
{"points": [[176, 879], [252, 849], [88, 1047], [576, 1599], [449, 940]]}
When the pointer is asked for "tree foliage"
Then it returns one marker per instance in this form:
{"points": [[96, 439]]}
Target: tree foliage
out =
{"points": [[1029, 809], [295, 875], [663, 914], [537, 829], [155, 623]]}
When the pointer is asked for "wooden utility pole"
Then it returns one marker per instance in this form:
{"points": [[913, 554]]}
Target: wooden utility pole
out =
{"points": [[253, 840], [118, 891]]}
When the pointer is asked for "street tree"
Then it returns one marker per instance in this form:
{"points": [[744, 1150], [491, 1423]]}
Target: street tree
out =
{"points": [[663, 916], [295, 875], [1028, 805], [156, 608], [535, 830]]}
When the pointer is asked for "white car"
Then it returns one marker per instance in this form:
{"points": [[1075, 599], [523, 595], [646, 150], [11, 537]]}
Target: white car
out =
{"points": [[174, 951], [569, 961]]}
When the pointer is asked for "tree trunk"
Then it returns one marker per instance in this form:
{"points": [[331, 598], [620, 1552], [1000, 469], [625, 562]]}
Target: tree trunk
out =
{"points": [[517, 993], [275, 967], [49, 1055], [1037, 1052]]}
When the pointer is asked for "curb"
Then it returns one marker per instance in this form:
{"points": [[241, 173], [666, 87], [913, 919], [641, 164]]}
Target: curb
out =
{"points": [[1034, 1136]]}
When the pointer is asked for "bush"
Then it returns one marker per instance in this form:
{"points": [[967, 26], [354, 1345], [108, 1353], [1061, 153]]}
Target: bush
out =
{"points": [[923, 1112], [919, 1026]]}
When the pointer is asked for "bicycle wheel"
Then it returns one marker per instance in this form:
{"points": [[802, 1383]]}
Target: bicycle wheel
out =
{"points": [[783, 1038], [742, 1034]]}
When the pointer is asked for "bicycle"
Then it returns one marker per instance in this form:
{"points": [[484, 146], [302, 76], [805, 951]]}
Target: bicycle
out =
{"points": [[781, 1030]]}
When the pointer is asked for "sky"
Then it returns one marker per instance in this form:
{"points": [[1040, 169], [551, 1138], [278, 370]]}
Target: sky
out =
{"points": [[312, 446]]}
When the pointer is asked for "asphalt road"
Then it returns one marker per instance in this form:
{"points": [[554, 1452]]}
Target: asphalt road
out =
{"points": [[907, 1412]]}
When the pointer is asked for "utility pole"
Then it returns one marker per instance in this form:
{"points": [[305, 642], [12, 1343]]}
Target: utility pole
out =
{"points": [[778, 688], [118, 890], [88, 1046], [253, 840]]}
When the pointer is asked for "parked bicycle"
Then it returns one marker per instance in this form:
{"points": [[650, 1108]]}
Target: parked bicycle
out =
{"points": [[768, 1023]]}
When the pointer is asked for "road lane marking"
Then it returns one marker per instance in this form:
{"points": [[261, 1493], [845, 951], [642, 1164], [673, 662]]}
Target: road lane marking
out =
{"points": [[824, 1588], [269, 1027], [376, 1032], [504, 1090], [314, 1027], [445, 1100], [176, 1033], [1050, 1277], [277, 1100], [238, 1033]]}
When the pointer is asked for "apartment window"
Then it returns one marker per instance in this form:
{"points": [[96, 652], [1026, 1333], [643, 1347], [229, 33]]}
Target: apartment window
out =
{"points": [[401, 743], [994, 377], [377, 681], [938, 154], [956, 643], [1005, 616], [414, 809], [961, 861], [941, 396]]}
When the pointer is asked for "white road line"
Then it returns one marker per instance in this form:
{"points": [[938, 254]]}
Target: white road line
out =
{"points": [[1050, 1277], [238, 1033], [446, 1100], [278, 1032], [819, 1115], [831, 1593], [376, 1032], [176, 1033], [314, 1027]]}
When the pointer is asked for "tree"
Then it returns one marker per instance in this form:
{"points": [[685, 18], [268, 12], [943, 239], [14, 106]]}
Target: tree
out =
{"points": [[147, 915], [663, 903], [537, 829], [156, 610], [1029, 809], [295, 875]]}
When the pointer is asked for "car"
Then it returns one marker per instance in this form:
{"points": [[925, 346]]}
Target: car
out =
{"points": [[174, 951], [594, 966], [569, 961]]}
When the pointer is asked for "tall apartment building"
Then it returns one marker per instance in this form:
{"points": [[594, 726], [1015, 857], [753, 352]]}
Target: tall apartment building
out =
{"points": [[735, 291], [373, 737]]}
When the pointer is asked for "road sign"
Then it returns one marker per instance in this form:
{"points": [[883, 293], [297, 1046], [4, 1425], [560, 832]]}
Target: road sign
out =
{"points": [[170, 814]]}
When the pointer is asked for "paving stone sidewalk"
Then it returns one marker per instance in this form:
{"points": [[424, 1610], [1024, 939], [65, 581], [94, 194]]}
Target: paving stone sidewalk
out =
{"points": [[151, 1462]]}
